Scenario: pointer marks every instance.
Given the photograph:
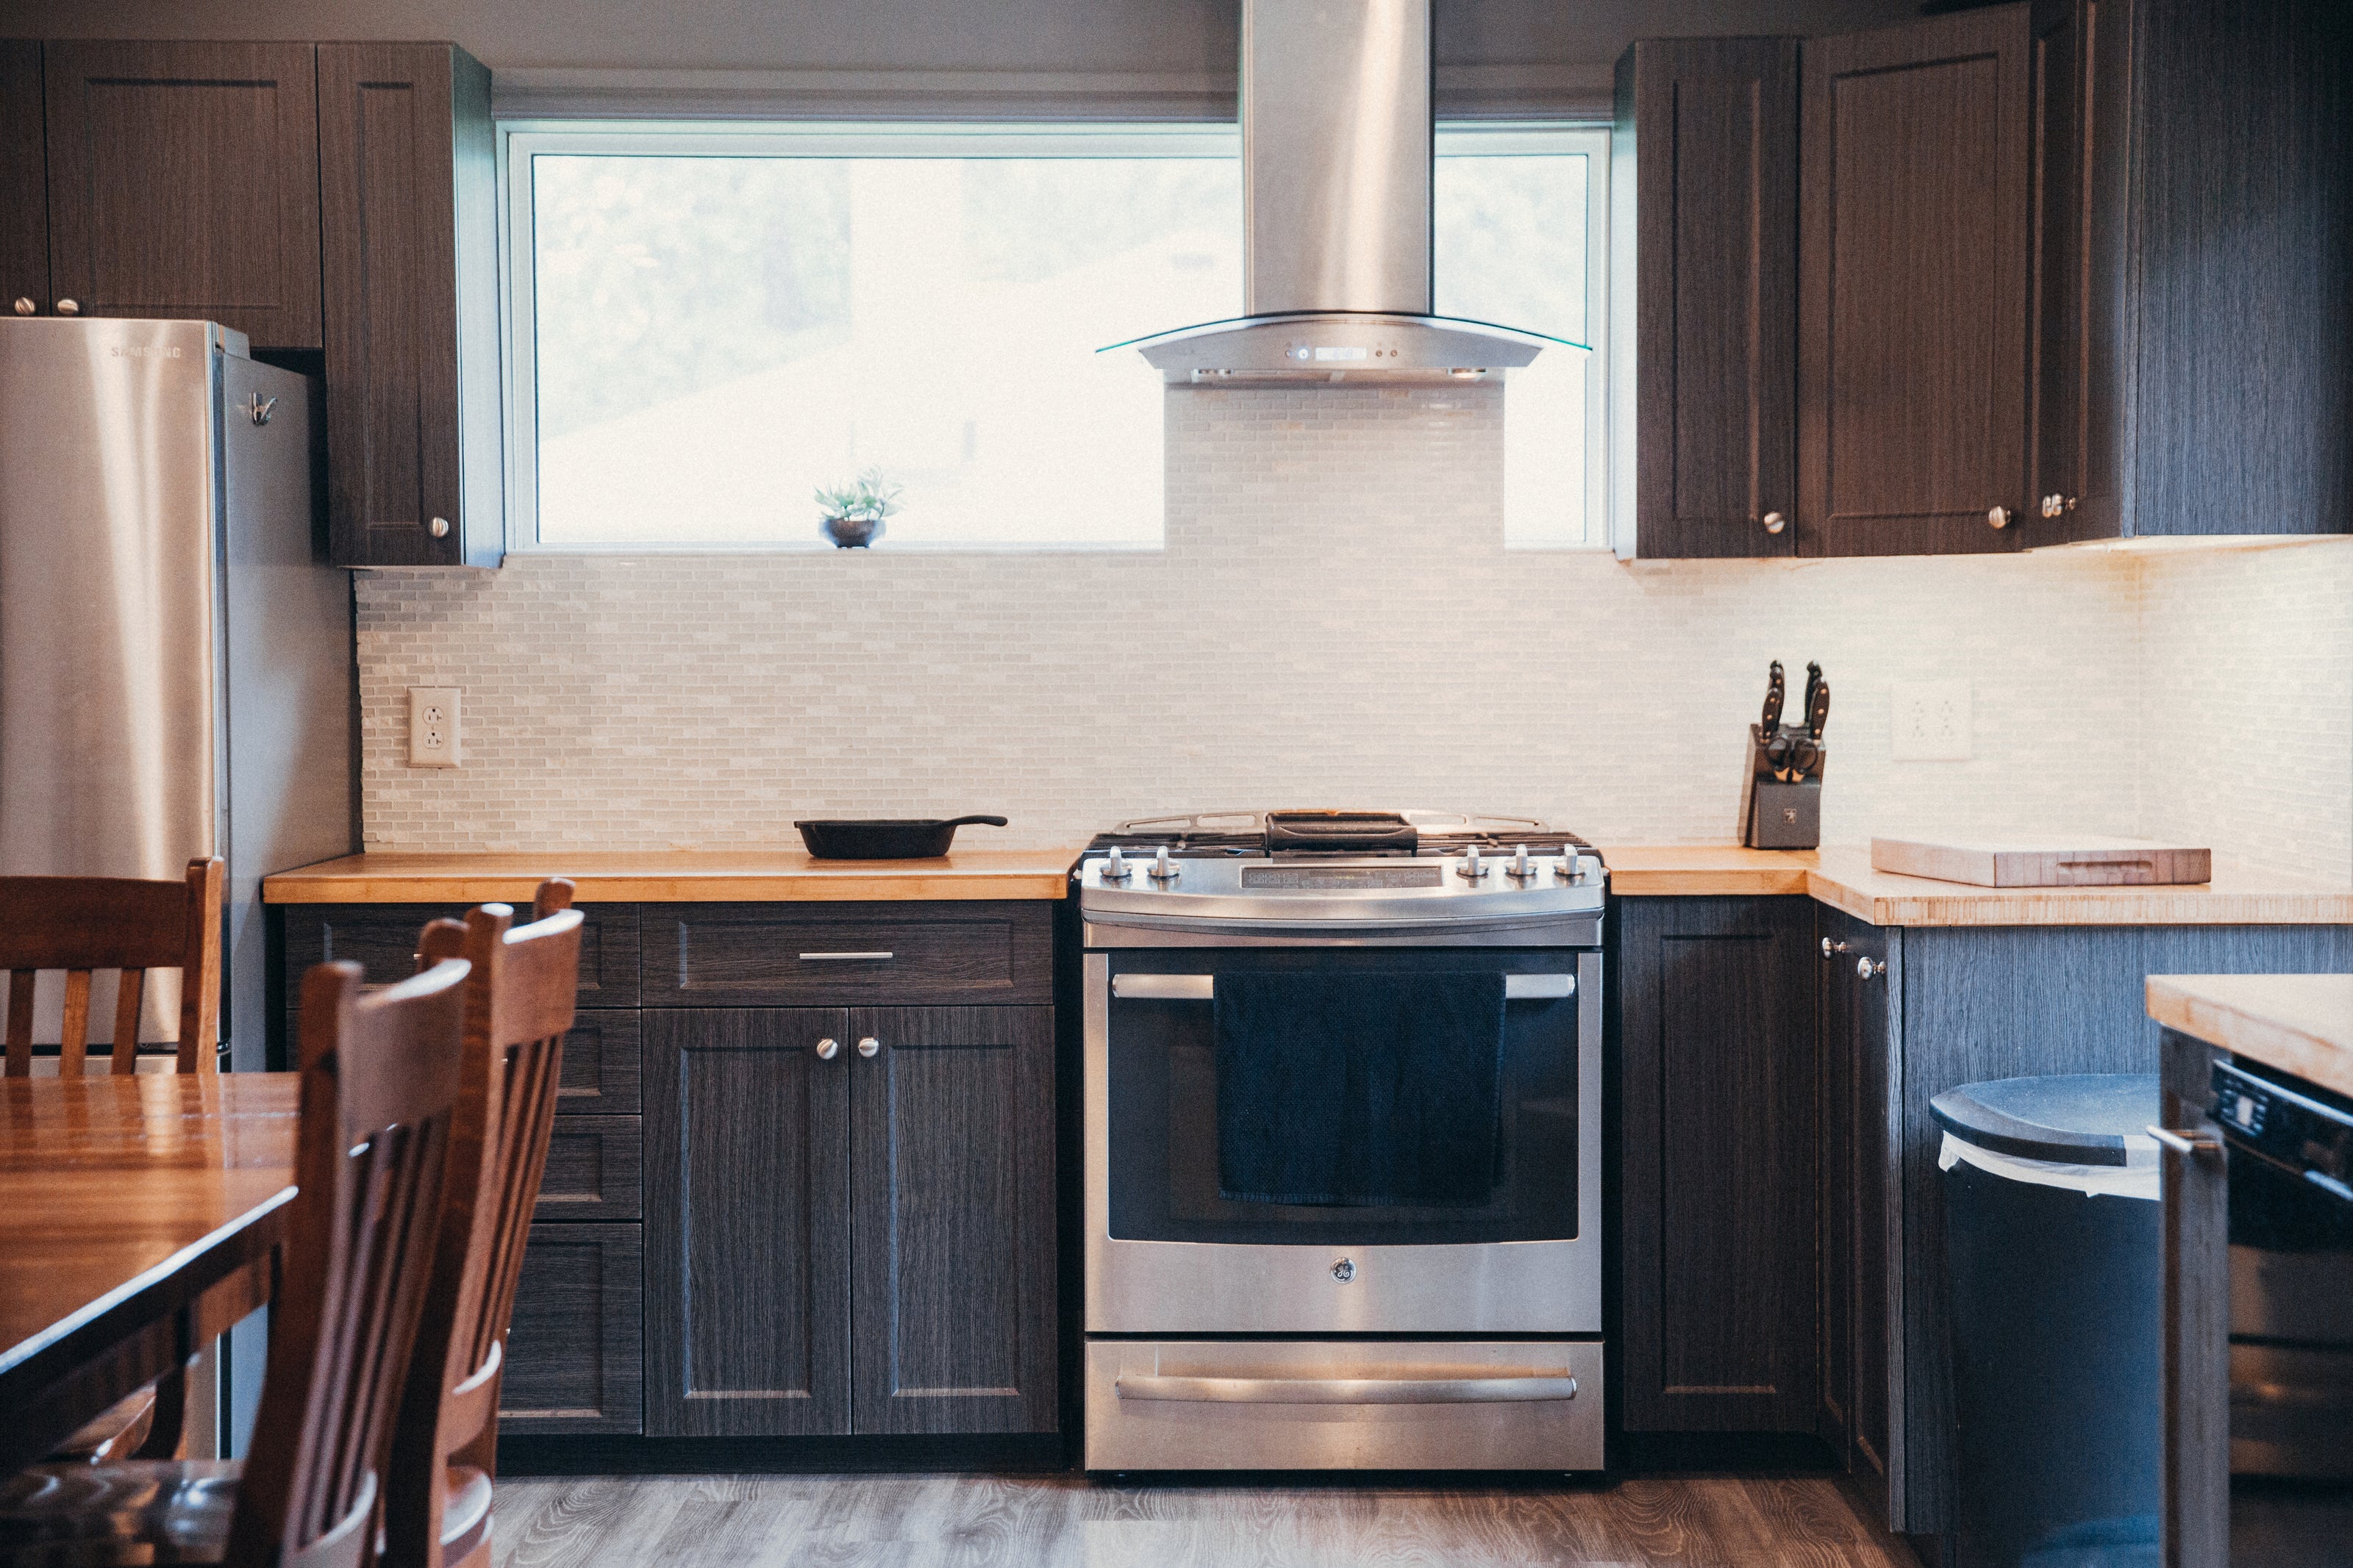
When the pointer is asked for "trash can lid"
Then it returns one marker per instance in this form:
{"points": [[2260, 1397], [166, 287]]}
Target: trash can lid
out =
{"points": [[2074, 1119]]}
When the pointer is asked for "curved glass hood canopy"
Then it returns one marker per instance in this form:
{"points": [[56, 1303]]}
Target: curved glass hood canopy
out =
{"points": [[1337, 148]]}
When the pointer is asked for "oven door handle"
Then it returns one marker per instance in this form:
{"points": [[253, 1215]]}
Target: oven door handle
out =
{"points": [[1344, 1390], [1204, 987]]}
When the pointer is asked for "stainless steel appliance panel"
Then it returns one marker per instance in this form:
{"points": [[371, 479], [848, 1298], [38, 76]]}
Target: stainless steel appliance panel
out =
{"points": [[1336, 156], [110, 700], [1255, 1404], [1195, 1288]]}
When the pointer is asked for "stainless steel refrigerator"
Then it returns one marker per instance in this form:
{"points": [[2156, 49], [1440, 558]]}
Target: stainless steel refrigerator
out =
{"points": [[175, 659]]}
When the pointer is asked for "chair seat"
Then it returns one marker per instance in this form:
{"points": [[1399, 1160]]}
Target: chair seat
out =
{"points": [[466, 1516], [139, 1512]]}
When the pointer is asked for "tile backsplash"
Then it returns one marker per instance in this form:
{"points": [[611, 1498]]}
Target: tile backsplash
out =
{"points": [[1333, 621]]}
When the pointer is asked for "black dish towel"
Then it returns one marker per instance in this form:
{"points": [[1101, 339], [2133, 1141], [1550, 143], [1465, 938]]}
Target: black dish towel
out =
{"points": [[1359, 1089]]}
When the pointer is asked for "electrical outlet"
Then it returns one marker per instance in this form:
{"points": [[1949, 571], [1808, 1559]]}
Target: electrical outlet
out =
{"points": [[1932, 720], [433, 726]]}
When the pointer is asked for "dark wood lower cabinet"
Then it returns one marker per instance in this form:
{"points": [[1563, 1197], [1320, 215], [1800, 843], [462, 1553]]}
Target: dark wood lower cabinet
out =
{"points": [[952, 1220], [1717, 1053], [747, 1221], [1860, 1188], [573, 1354]]}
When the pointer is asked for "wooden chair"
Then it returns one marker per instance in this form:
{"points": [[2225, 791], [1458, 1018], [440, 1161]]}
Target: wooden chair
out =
{"points": [[82, 925], [380, 1088], [519, 1004]]}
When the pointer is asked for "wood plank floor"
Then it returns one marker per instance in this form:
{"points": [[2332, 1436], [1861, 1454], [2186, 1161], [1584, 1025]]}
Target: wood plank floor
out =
{"points": [[1065, 1521]]}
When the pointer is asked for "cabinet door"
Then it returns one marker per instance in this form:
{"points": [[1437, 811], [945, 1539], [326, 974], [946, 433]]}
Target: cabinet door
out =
{"points": [[952, 1206], [1860, 1182], [2197, 1332], [575, 1355], [406, 175], [2082, 123], [1913, 287], [1719, 1196], [747, 1223], [1714, 129], [184, 181], [23, 182]]}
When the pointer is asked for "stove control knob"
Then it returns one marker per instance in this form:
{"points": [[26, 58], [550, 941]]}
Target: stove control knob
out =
{"points": [[1522, 867], [1163, 870], [1471, 867], [1114, 868]]}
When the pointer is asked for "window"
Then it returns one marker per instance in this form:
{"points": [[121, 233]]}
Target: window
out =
{"points": [[707, 325]]}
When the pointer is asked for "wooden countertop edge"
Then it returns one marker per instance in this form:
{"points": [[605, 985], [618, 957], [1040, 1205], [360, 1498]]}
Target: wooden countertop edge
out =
{"points": [[2248, 1030], [700, 886]]}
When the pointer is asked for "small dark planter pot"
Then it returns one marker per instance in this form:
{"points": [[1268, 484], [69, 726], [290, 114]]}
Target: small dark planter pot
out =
{"points": [[852, 533]]}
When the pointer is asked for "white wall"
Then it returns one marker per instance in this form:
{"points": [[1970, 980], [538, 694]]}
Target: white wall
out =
{"points": [[1333, 622]]}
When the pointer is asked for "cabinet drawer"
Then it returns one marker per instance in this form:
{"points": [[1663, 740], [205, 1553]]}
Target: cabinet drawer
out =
{"points": [[382, 940], [748, 955], [576, 1358], [595, 1170], [600, 1065]]}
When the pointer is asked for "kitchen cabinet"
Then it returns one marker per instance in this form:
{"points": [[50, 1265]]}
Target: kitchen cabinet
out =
{"points": [[1719, 1136], [573, 1359], [23, 181], [1713, 259], [2183, 385], [182, 181], [1859, 1195], [407, 169], [846, 1242], [1913, 287]]}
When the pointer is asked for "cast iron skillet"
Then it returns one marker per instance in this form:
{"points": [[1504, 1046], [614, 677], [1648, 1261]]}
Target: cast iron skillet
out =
{"points": [[899, 838]]}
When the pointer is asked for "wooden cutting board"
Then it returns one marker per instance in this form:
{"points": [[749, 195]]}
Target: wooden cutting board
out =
{"points": [[2082, 860]]}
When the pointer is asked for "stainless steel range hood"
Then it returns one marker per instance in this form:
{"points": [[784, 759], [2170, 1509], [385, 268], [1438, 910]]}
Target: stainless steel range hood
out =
{"points": [[1336, 111]]}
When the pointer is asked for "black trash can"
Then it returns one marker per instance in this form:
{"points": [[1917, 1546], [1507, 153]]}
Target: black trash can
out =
{"points": [[2053, 1251]]}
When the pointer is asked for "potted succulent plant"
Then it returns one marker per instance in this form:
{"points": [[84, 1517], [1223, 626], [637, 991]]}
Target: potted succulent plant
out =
{"points": [[854, 512]]}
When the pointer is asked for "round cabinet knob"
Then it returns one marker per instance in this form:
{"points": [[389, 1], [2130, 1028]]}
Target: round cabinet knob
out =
{"points": [[1870, 968], [869, 1048], [438, 528], [69, 307], [25, 307], [1775, 523], [1829, 947], [1998, 517], [827, 1049]]}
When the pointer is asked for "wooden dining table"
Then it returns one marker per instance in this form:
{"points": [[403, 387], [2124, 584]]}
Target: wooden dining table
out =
{"points": [[139, 1217]]}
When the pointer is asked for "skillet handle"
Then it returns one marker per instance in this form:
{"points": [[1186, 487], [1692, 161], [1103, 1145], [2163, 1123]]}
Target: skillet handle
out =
{"points": [[974, 821]]}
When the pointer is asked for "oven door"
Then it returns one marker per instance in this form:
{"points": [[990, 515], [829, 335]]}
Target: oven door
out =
{"points": [[1167, 1254]]}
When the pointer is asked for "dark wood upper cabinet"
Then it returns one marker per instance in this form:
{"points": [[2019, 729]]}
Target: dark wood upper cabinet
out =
{"points": [[1718, 1217], [747, 1223], [1913, 287], [1714, 125], [23, 182], [952, 1213], [2193, 339], [184, 181], [407, 177]]}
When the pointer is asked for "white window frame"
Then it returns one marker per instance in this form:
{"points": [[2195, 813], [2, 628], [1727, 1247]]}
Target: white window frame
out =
{"points": [[519, 141]]}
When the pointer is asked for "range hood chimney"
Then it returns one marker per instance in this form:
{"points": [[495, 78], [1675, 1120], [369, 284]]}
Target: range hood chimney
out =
{"points": [[1336, 112]]}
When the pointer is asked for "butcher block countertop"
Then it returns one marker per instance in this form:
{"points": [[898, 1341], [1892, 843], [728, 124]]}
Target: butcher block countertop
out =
{"points": [[2300, 1023], [1841, 877], [673, 876]]}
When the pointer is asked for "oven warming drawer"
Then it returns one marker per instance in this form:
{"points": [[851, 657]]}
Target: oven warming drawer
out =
{"points": [[1274, 1404]]}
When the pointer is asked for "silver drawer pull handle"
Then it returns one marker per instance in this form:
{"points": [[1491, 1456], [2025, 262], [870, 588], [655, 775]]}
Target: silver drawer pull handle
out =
{"points": [[1204, 987], [845, 958], [1345, 1390], [2195, 1145]]}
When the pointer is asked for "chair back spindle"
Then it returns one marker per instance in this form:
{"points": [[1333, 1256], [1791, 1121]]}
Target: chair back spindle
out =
{"points": [[379, 1094]]}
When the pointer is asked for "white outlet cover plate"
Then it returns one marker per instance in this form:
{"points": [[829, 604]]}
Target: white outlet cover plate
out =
{"points": [[1932, 720], [433, 731]]}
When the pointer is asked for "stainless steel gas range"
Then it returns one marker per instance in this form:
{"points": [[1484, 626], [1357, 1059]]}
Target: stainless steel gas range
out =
{"points": [[1342, 1112]]}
